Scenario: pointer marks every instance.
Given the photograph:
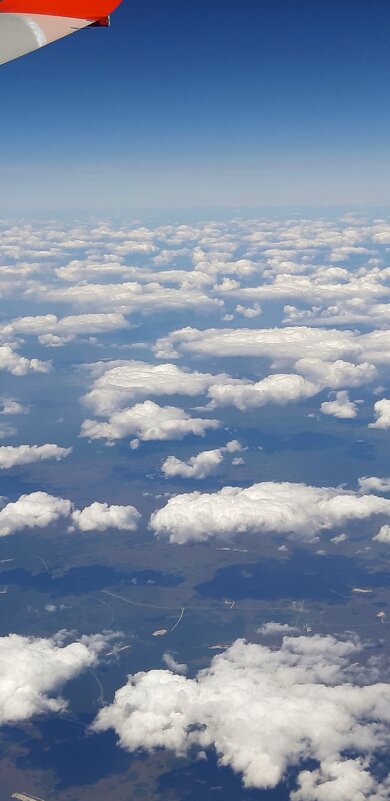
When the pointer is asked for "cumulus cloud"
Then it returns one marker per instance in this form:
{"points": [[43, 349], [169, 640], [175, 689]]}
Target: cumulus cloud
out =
{"points": [[11, 456], [374, 484], [281, 345], [383, 534], [278, 389], [200, 466], [320, 355], [248, 311], [33, 670], [294, 509], [12, 406], [117, 383], [272, 628], [15, 364], [341, 407], [382, 414], [51, 330], [101, 516], [129, 296], [341, 780], [264, 712], [39, 510], [336, 374], [148, 421]]}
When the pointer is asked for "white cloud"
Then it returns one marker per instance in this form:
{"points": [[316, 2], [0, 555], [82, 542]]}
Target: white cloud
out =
{"points": [[200, 466], [129, 296], [11, 456], [264, 712], [336, 374], [33, 670], [248, 311], [12, 406], [374, 484], [278, 389], [319, 354], [173, 665], [341, 407], [282, 345], [382, 414], [272, 629], [341, 780], [39, 510], [147, 421], [295, 509], [383, 534], [100, 516], [51, 330], [15, 364], [339, 538], [116, 383]]}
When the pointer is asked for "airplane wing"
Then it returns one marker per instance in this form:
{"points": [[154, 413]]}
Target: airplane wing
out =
{"points": [[27, 25]]}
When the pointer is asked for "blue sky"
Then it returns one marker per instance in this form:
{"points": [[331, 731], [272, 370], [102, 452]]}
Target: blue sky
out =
{"points": [[203, 104]]}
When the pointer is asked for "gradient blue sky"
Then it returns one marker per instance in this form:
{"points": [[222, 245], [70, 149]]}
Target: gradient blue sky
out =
{"points": [[183, 104]]}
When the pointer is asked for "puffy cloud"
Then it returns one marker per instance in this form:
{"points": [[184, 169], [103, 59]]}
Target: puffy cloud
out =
{"points": [[248, 311], [12, 406], [336, 374], [13, 363], [318, 354], [264, 712], [383, 534], [199, 466], [39, 510], [374, 484], [341, 780], [147, 421], [382, 414], [278, 389], [129, 296], [100, 516], [282, 345], [341, 407], [51, 330], [33, 670], [272, 629], [285, 508], [116, 383], [10, 455]]}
